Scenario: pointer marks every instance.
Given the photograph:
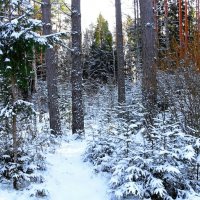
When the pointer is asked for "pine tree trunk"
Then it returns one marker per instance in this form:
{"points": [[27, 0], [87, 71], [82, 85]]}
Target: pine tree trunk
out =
{"points": [[186, 26], [120, 53], [54, 115], [197, 15], [180, 28], [76, 74], [137, 22], [166, 23], [149, 82]]}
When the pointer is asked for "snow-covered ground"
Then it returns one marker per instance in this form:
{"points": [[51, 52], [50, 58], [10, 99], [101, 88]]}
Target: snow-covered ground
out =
{"points": [[67, 177]]}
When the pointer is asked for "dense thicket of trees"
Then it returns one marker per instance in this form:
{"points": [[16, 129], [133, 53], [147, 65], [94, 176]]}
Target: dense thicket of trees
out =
{"points": [[99, 63], [18, 38]]}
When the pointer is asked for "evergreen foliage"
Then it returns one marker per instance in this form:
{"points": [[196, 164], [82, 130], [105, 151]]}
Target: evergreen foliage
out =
{"points": [[158, 162], [99, 64], [18, 37], [133, 43]]}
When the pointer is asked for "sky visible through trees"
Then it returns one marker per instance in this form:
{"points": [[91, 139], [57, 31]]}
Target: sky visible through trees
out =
{"points": [[92, 8]]}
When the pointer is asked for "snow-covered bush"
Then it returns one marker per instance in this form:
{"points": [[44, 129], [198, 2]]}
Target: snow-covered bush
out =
{"points": [[100, 154], [163, 166]]}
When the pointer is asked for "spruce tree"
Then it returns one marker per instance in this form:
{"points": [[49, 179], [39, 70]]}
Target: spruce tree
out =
{"points": [[99, 64]]}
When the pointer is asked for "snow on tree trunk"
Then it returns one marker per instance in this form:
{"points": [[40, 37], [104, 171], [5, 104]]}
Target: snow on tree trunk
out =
{"points": [[149, 83], [120, 53], [76, 73], [51, 72]]}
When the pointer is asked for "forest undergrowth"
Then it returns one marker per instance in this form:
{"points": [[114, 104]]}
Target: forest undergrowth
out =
{"points": [[158, 161], [142, 161]]}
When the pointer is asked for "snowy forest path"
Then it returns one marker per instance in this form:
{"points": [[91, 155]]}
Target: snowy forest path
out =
{"points": [[69, 177]]}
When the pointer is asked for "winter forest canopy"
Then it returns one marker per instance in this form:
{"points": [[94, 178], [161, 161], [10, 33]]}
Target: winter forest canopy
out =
{"points": [[122, 106]]}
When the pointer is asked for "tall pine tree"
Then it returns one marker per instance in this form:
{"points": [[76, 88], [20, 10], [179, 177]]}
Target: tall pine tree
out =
{"points": [[54, 114], [76, 73]]}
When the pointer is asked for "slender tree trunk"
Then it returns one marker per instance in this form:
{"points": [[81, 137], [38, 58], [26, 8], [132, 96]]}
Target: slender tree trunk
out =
{"points": [[76, 74], [120, 53], [149, 83], [166, 23], [14, 119], [197, 15], [138, 22], [54, 115], [180, 28], [186, 26], [14, 93], [34, 86]]}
